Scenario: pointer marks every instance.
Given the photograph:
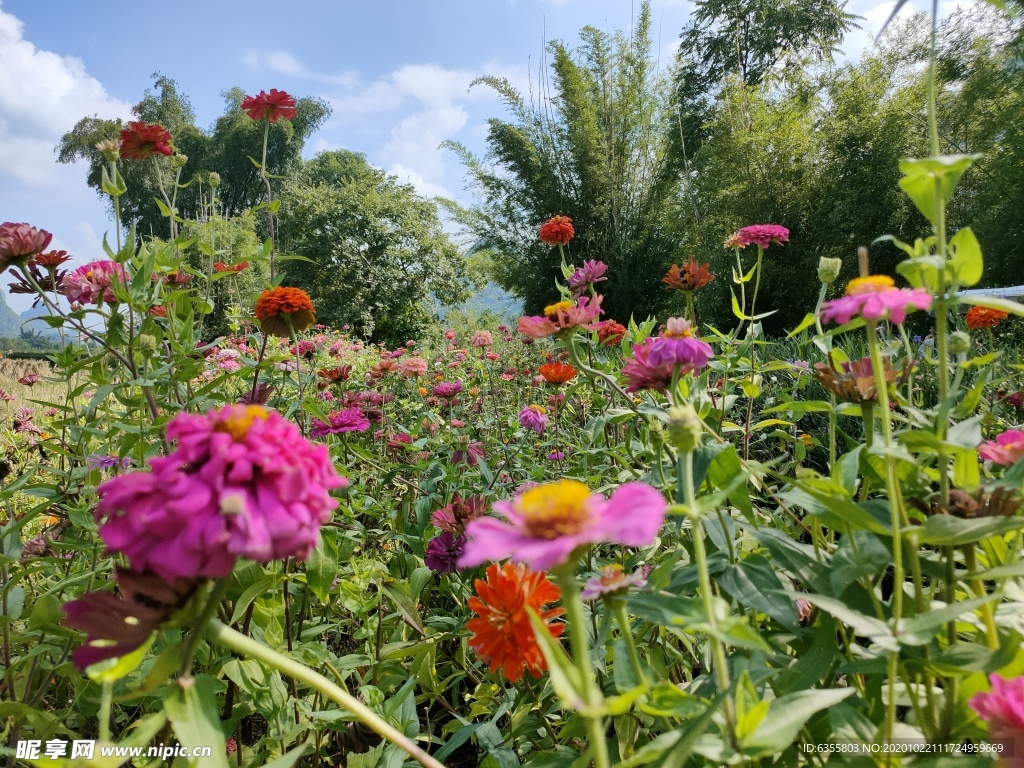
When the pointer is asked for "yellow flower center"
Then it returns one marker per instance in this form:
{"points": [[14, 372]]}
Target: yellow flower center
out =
{"points": [[555, 509], [240, 419], [538, 409], [870, 284], [551, 310]]}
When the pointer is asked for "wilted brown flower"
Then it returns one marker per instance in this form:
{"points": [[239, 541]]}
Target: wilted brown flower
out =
{"points": [[855, 382]]}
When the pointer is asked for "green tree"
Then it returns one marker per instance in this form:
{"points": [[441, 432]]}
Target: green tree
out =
{"points": [[379, 256], [226, 149], [595, 147]]}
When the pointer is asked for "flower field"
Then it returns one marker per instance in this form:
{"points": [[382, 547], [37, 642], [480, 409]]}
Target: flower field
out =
{"points": [[572, 540]]}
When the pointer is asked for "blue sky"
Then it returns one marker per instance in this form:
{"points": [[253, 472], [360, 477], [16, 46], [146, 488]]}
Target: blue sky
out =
{"points": [[395, 72]]}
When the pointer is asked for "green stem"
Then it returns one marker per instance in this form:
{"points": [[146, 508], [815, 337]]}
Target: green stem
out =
{"points": [[565, 576], [246, 646], [106, 706], [213, 601], [622, 619]]}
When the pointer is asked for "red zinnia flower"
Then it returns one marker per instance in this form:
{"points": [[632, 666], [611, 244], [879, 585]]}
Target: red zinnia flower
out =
{"points": [[983, 317], [689, 277], [502, 634], [557, 373], [556, 231], [611, 334], [278, 307], [273, 105], [220, 266], [142, 140]]}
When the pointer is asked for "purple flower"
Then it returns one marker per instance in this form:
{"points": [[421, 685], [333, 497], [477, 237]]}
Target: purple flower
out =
{"points": [[556, 455], [340, 421], [590, 273], [677, 346], [448, 389], [547, 523], [534, 417], [443, 552], [107, 461]]}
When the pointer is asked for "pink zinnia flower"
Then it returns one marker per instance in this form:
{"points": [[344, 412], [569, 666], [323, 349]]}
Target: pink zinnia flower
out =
{"points": [[1003, 710], [20, 241], [92, 283], [562, 317], [470, 454], [243, 482], [448, 389], [613, 580], [273, 106], [534, 417], [761, 235], [482, 339], [590, 273], [641, 374], [547, 523], [875, 298], [411, 367], [678, 346], [454, 517], [340, 421], [1006, 449]]}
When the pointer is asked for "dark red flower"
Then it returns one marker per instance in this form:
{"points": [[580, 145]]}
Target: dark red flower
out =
{"points": [[273, 105], [142, 140]]}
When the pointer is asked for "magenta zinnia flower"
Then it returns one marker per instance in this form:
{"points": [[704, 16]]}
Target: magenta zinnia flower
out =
{"points": [[641, 374], [1006, 449], [340, 421], [761, 235], [448, 389], [547, 523], [875, 298], [92, 283], [678, 346], [562, 317], [534, 417], [1003, 710], [243, 482], [590, 273]]}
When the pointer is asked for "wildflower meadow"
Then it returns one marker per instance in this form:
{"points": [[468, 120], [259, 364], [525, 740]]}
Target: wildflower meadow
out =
{"points": [[562, 540]]}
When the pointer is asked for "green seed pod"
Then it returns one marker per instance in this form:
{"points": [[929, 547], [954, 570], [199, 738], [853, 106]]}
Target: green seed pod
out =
{"points": [[684, 428]]}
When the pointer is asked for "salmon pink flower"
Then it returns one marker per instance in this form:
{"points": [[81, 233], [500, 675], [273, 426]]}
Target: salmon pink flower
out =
{"points": [[242, 482], [503, 635], [562, 318], [547, 523], [482, 339], [411, 367], [453, 518], [677, 346], [273, 106], [92, 283], [556, 231], [1006, 449], [875, 297], [140, 141], [612, 581]]}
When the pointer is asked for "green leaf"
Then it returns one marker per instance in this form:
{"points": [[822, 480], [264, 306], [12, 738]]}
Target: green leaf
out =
{"points": [[930, 182], [966, 260], [806, 323], [919, 630], [192, 710], [754, 583], [288, 759], [321, 570], [949, 531], [112, 670], [787, 715], [865, 626], [993, 302]]}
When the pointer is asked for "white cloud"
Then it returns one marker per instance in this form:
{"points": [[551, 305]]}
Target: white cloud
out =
{"points": [[286, 63], [42, 96]]}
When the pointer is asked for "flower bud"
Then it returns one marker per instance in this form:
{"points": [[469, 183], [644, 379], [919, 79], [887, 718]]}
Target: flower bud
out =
{"points": [[147, 343], [214, 179], [684, 427], [178, 160], [111, 149], [959, 343], [828, 269], [656, 433]]}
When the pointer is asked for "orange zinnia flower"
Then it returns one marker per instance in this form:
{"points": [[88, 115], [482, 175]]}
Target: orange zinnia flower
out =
{"points": [[557, 373], [689, 277], [283, 310], [611, 334], [502, 634], [983, 317], [220, 266], [556, 231]]}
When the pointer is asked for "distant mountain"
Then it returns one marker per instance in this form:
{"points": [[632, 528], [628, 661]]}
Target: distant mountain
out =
{"points": [[490, 298], [10, 323], [40, 328]]}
